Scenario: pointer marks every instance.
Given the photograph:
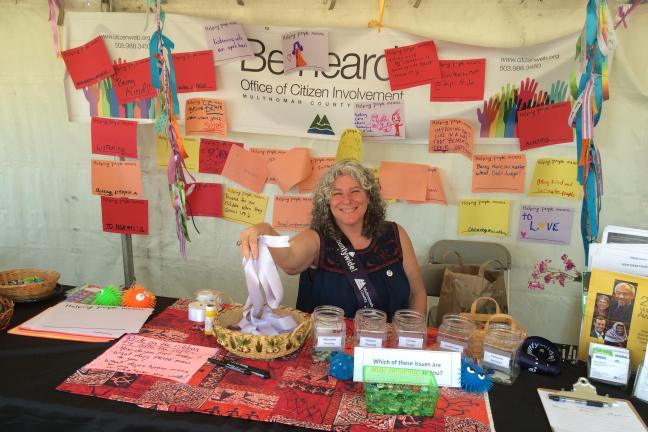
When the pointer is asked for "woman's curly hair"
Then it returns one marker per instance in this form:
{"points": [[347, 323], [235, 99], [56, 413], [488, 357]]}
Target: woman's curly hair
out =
{"points": [[374, 219]]}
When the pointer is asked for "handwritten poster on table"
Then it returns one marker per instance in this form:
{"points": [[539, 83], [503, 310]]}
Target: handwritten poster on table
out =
{"points": [[319, 166], [555, 178], [114, 137], [291, 168], [228, 42], [406, 181], [434, 193], [205, 199], [305, 49], [213, 154], [292, 213], [545, 125], [412, 65], [194, 71], [132, 81], [124, 216], [205, 117], [499, 173], [451, 136], [163, 152], [244, 207], [89, 63], [269, 154], [542, 224], [116, 178], [461, 80], [141, 355], [483, 217], [380, 119]]}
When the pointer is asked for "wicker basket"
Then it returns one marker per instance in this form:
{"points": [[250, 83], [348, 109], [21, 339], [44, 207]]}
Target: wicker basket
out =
{"points": [[260, 347], [6, 310], [31, 290]]}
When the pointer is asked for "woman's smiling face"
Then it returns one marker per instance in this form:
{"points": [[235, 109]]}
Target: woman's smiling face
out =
{"points": [[348, 201]]}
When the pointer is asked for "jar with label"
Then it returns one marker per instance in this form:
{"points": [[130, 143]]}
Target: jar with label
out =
{"points": [[371, 328], [328, 331], [410, 330], [210, 315], [500, 347], [454, 333]]}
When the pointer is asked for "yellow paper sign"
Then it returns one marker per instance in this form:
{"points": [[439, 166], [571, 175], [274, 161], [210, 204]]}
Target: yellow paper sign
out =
{"points": [[244, 207], [191, 145], [555, 178], [483, 217], [350, 146], [205, 117]]}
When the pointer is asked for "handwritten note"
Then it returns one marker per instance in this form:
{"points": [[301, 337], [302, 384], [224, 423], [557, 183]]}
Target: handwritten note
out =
{"points": [[434, 193], [461, 80], [213, 154], [292, 213], [305, 49], [163, 150], [545, 125], [319, 166], [451, 136], [290, 168], [407, 181], [205, 117], [205, 199], [498, 172], [194, 71], [124, 216], [89, 63], [555, 178], [114, 137], [380, 119], [244, 207], [147, 356], [132, 81], [412, 65], [246, 168], [228, 42], [269, 154], [483, 217], [542, 224], [116, 179]]}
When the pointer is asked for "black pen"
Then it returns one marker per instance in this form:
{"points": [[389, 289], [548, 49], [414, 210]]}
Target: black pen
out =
{"points": [[585, 402], [240, 367]]}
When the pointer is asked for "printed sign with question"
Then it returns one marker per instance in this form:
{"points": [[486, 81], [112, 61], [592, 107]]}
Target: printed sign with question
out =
{"points": [[545, 224]]}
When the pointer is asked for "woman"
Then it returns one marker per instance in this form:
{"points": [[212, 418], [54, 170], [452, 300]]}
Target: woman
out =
{"points": [[601, 305], [616, 335], [350, 257]]}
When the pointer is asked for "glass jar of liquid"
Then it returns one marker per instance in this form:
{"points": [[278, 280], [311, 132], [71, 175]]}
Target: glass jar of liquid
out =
{"points": [[328, 331], [454, 333], [371, 328], [500, 347], [410, 330]]}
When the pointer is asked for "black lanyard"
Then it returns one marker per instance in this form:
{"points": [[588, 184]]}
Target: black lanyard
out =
{"points": [[356, 274]]}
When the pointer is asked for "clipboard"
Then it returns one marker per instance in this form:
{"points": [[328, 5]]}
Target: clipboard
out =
{"points": [[582, 409]]}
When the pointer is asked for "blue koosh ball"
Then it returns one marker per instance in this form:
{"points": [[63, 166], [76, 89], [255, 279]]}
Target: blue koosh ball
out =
{"points": [[341, 366]]}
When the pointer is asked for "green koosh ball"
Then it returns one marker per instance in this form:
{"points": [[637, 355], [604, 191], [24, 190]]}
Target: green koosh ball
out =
{"points": [[109, 295]]}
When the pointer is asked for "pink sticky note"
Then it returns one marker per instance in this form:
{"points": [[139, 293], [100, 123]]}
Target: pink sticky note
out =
{"points": [[319, 166], [213, 154], [406, 181], [194, 71], [545, 125], [89, 63], [116, 178], [132, 81], [461, 80], [114, 137], [291, 167], [124, 216], [450, 135], [246, 168], [412, 65], [292, 213], [205, 117], [435, 193], [206, 199], [270, 154], [499, 173]]}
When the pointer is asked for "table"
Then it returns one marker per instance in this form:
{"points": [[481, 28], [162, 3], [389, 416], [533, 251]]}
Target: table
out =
{"points": [[33, 367]]}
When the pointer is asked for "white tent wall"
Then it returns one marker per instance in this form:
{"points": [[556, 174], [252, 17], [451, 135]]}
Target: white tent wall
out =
{"points": [[49, 219]]}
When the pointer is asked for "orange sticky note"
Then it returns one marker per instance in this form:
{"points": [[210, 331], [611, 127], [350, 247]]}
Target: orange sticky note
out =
{"points": [[246, 168], [270, 154], [407, 181], [434, 193], [319, 166], [194, 71], [292, 213], [291, 167], [89, 63], [451, 136], [205, 117], [499, 173], [116, 178]]}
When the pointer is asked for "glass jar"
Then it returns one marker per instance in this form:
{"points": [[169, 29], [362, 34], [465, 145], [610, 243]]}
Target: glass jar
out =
{"points": [[328, 331], [410, 330], [454, 334], [500, 347], [371, 328]]}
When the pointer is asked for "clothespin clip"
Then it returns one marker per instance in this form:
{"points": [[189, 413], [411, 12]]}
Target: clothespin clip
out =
{"points": [[331, 5], [415, 3], [240, 2], [583, 392]]}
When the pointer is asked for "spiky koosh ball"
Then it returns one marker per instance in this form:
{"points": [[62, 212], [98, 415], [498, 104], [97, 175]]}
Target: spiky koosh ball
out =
{"points": [[473, 377], [138, 297], [109, 295], [341, 366]]}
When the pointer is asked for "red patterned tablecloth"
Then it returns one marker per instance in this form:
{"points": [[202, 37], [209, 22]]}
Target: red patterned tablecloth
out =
{"points": [[299, 393]]}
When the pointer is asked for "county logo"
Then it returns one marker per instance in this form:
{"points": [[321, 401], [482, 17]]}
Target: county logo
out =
{"points": [[321, 125]]}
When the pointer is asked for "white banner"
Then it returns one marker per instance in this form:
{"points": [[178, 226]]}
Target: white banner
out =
{"points": [[261, 99]]}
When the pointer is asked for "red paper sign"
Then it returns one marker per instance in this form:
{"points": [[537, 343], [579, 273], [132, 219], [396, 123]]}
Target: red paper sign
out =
{"points": [[114, 137], [412, 65], [461, 80], [205, 200], [132, 81], [124, 216], [545, 125], [213, 154], [89, 63], [194, 71]]}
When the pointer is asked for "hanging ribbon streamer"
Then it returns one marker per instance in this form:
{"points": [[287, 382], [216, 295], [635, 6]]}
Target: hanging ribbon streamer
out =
{"points": [[54, 11], [381, 12]]}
